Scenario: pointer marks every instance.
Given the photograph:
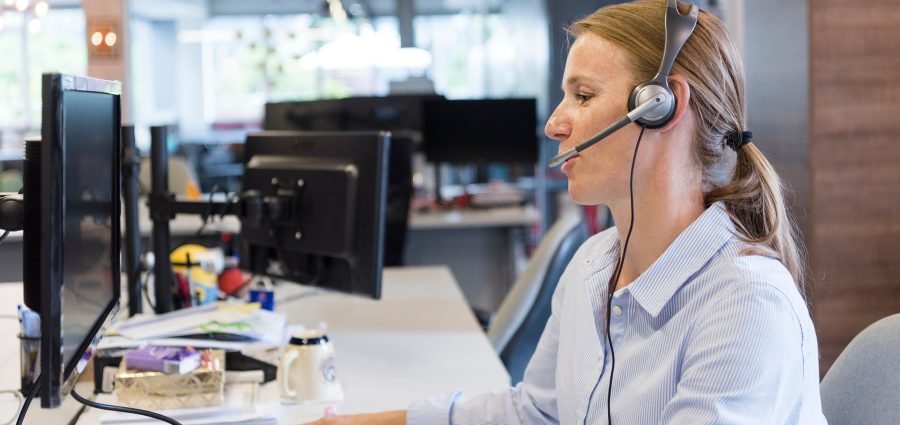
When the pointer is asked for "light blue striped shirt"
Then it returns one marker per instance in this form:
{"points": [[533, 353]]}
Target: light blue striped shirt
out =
{"points": [[704, 336]]}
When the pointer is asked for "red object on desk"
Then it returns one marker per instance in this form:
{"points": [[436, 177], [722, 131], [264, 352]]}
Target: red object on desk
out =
{"points": [[232, 280], [184, 289]]}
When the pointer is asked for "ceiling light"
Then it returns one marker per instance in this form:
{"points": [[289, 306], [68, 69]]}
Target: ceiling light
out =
{"points": [[97, 38], [111, 39], [41, 8], [21, 5]]}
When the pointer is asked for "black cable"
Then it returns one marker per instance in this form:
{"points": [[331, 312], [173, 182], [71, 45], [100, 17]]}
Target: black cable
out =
{"points": [[147, 291], [210, 213], [234, 198], [77, 417], [615, 279], [122, 409], [4, 236], [34, 389]]}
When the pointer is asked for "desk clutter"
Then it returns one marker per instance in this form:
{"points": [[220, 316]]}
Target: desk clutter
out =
{"points": [[207, 394], [140, 382], [205, 365]]}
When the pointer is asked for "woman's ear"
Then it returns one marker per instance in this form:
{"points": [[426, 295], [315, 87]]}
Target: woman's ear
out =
{"points": [[682, 92]]}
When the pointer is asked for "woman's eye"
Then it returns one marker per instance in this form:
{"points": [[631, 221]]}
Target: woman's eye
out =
{"points": [[582, 98]]}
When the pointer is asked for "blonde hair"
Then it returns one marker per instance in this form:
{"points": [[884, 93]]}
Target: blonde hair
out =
{"points": [[746, 182]]}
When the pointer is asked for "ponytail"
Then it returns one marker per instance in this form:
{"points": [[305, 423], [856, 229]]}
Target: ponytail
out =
{"points": [[755, 201]]}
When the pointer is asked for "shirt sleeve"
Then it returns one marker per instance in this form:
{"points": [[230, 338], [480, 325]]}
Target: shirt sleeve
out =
{"points": [[532, 401], [742, 363]]}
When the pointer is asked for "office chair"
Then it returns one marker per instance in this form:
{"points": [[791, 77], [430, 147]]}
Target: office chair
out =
{"points": [[863, 384], [519, 322]]}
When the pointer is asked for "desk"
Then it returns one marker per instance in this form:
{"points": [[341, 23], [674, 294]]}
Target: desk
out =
{"points": [[420, 339], [484, 248], [474, 218]]}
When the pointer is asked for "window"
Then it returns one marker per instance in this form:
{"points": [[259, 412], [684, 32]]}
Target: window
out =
{"points": [[484, 55], [251, 60], [55, 44]]}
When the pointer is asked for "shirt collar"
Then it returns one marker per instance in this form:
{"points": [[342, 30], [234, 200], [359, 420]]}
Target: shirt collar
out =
{"points": [[687, 254], [605, 253]]}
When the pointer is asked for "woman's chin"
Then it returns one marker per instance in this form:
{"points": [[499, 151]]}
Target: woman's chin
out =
{"points": [[578, 195], [582, 194]]}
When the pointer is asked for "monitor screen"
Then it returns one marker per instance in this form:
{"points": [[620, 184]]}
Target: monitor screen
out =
{"points": [[88, 197], [79, 225], [321, 209], [481, 131], [388, 113]]}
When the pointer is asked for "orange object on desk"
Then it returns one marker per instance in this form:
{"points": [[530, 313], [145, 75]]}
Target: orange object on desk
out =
{"points": [[232, 280]]}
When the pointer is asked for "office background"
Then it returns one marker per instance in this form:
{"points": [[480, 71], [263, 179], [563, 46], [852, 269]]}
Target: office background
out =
{"points": [[823, 93]]}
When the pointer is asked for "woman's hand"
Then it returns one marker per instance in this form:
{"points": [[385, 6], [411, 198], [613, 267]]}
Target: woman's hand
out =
{"points": [[396, 417]]}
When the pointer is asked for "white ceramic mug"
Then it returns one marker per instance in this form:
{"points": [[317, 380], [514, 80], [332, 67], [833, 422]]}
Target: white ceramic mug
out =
{"points": [[306, 371]]}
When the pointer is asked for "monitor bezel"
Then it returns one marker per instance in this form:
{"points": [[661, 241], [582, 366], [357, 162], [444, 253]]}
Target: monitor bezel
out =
{"points": [[57, 379]]}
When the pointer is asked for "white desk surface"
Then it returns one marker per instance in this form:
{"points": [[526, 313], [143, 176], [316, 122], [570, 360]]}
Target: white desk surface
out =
{"points": [[419, 340], [474, 218]]}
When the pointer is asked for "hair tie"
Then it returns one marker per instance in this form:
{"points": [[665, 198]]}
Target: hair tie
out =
{"points": [[737, 139]]}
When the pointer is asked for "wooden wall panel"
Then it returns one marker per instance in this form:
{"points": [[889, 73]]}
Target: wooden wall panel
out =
{"points": [[854, 157]]}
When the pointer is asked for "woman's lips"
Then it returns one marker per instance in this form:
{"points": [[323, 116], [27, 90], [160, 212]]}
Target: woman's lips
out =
{"points": [[567, 166]]}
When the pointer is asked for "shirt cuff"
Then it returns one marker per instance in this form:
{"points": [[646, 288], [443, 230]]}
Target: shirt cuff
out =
{"points": [[432, 411]]}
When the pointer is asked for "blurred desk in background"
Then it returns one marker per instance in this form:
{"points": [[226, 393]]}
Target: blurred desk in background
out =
{"points": [[484, 248]]}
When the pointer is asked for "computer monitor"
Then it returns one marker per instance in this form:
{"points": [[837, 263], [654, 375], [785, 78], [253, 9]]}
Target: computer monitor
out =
{"points": [[481, 131], [401, 115], [77, 288], [389, 113], [320, 212]]}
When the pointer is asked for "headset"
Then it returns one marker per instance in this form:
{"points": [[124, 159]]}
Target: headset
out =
{"points": [[652, 103]]}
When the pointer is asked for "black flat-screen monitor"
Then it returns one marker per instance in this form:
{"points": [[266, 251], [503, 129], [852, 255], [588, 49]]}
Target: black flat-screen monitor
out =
{"points": [[481, 131], [322, 202], [78, 226], [389, 113], [401, 115]]}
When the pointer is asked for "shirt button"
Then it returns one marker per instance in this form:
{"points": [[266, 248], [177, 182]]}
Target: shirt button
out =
{"points": [[617, 310]]}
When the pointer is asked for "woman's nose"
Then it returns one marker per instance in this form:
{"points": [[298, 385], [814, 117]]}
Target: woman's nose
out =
{"points": [[557, 128]]}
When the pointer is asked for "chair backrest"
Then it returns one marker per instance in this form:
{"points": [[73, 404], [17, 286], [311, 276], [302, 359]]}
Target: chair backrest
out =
{"points": [[524, 312], [863, 384]]}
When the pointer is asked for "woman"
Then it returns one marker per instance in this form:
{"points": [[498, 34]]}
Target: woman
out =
{"points": [[708, 323]]}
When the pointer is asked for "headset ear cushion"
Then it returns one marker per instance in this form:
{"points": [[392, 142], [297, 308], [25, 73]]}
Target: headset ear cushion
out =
{"points": [[659, 116]]}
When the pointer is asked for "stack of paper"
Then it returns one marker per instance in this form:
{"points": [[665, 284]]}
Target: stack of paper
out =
{"points": [[244, 324]]}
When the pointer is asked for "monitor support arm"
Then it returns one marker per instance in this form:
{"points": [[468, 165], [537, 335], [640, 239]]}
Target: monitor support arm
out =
{"points": [[250, 206]]}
